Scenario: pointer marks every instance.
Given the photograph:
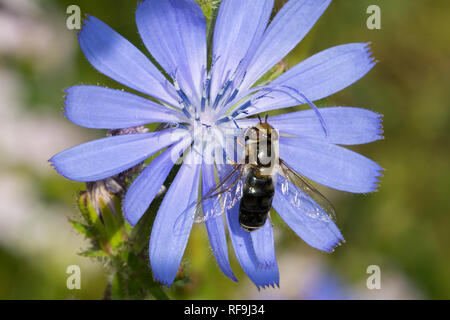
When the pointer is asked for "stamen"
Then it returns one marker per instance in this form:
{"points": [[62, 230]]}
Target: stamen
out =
{"points": [[184, 99], [224, 120], [236, 91], [313, 106], [233, 96], [186, 113], [206, 92], [222, 92], [203, 103], [241, 109], [228, 84]]}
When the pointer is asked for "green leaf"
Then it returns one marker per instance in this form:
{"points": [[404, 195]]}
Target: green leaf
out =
{"points": [[158, 293], [181, 282], [87, 210], [81, 228], [93, 253], [118, 287]]}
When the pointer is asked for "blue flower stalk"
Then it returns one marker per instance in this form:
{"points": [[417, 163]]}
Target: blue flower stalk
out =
{"points": [[201, 102]]}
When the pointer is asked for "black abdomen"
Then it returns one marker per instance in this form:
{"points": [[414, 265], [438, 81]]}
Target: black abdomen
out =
{"points": [[256, 201]]}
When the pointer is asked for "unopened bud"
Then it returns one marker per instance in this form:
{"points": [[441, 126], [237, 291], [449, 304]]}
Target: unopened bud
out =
{"points": [[101, 193]]}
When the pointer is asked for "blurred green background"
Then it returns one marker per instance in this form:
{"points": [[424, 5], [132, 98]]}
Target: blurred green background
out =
{"points": [[403, 228]]}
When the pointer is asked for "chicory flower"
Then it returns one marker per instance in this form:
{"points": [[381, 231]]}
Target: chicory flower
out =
{"points": [[200, 101]]}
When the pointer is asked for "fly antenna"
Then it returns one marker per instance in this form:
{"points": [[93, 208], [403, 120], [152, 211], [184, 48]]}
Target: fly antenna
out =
{"points": [[259, 117], [266, 117]]}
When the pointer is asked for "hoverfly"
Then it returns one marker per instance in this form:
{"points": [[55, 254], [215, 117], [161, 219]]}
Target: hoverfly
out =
{"points": [[252, 184]]}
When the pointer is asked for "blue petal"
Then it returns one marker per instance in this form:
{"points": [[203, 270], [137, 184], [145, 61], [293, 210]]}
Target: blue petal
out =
{"points": [[238, 30], [257, 260], [252, 262], [174, 31], [117, 58], [345, 125], [319, 76], [319, 232], [144, 189], [103, 158], [287, 29], [263, 244], [167, 245], [103, 108], [215, 225], [330, 165]]}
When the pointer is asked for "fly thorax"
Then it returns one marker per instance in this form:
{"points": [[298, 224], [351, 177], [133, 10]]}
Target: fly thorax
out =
{"points": [[262, 148]]}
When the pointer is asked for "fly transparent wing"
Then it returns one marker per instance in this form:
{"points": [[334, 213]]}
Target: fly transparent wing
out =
{"points": [[213, 204], [295, 187], [223, 196]]}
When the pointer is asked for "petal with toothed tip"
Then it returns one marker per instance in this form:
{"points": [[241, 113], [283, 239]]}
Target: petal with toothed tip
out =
{"points": [[287, 29], [256, 259], [318, 77], [346, 125], [215, 225], [328, 164], [117, 58]]}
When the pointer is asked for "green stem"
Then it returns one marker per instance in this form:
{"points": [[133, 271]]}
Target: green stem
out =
{"points": [[210, 30]]}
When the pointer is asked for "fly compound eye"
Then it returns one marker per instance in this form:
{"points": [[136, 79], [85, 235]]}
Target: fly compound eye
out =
{"points": [[252, 134]]}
